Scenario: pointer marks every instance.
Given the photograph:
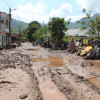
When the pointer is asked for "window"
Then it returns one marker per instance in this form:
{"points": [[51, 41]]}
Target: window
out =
{"points": [[2, 20]]}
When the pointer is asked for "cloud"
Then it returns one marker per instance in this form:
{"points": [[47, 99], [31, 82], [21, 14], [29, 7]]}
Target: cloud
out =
{"points": [[29, 12], [74, 18], [22, 0], [64, 10], [91, 5]]}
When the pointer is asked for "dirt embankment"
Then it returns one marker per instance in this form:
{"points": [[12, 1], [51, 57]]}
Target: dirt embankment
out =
{"points": [[17, 80]]}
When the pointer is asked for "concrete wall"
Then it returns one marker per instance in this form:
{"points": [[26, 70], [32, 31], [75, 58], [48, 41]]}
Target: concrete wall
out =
{"points": [[4, 22], [3, 40], [4, 29]]}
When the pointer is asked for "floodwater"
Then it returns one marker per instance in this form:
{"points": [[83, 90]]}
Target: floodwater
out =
{"points": [[31, 49], [96, 64], [53, 61], [95, 81]]}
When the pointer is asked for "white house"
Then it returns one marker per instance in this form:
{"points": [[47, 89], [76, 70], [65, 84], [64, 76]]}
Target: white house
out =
{"points": [[4, 30]]}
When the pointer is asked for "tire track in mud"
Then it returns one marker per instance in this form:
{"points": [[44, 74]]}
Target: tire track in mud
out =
{"points": [[47, 87], [75, 87]]}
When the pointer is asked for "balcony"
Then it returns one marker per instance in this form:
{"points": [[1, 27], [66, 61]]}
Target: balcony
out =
{"points": [[4, 29]]}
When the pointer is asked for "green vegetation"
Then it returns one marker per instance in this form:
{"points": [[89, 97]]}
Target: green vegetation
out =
{"points": [[57, 27], [42, 33], [31, 29], [73, 25], [17, 26], [55, 30], [93, 25]]}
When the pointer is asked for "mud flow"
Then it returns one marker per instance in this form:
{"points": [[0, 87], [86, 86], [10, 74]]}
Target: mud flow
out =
{"points": [[35, 73]]}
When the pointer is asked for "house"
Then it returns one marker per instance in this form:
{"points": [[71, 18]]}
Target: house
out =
{"points": [[15, 37], [4, 30]]}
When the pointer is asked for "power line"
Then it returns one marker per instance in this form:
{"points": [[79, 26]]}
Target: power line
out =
{"points": [[6, 3]]}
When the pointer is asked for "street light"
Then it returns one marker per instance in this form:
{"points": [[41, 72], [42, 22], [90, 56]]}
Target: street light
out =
{"points": [[10, 25], [10, 20]]}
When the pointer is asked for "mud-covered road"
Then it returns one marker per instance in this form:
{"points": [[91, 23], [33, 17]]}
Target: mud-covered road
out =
{"points": [[36, 73]]}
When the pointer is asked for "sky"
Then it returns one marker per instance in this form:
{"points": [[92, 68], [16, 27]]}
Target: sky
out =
{"points": [[42, 10]]}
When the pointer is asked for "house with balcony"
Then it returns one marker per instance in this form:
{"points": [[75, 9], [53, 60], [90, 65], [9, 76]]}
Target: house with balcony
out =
{"points": [[4, 30]]}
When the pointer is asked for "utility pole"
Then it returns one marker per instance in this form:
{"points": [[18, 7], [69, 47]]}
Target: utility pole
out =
{"points": [[9, 39], [9, 21]]}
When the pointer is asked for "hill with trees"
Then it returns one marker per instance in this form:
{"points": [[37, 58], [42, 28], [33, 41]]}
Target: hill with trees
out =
{"points": [[73, 25], [17, 26]]}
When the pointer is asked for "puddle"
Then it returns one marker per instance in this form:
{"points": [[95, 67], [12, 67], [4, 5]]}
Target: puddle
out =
{"points": [[96, 64], [53, 61], [95, 81], [31, 49], [56, 61], [33, 55]]}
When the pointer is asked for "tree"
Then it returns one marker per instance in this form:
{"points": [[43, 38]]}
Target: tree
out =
{"points": [[66, 38], [84, 20], [76, 36], [57, 27], [93, 25], [92, 28], [31, 29], [41, 33]]}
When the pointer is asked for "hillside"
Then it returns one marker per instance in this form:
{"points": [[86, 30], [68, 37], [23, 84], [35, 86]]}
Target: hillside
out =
{"points": [[73, 25], [17, 25]]}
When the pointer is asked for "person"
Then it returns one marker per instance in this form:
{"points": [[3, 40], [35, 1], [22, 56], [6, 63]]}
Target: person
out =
{"points": [[48, 43], [98, 50], [71, 46], [14, 44], [77, 45], [62, 45], [95, 53]]}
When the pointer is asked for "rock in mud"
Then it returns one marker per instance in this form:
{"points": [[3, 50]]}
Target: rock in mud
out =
{"points": [[84, 64], [87, 64], [24, 96]]}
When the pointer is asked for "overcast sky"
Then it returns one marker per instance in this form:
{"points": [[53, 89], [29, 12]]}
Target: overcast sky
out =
{"points": [[42, 10]]}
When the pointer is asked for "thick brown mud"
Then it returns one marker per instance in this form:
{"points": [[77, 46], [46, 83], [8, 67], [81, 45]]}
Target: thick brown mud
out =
{"points": [[51, 75], [47, 87], [17, 80], [73, 75]]}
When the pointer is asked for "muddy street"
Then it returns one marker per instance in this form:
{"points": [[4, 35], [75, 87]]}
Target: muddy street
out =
{"points": [[35, 73]]}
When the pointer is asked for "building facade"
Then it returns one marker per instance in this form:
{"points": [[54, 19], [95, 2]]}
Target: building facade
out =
{"points": [[4, 30]]}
